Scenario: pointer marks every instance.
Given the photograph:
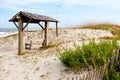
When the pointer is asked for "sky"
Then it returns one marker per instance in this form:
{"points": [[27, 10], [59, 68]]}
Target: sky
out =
{"points": [[68, 12]]}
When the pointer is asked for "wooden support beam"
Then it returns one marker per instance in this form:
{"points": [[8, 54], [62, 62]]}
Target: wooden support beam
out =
{"points": [[45, 42], [57, 29], [26, 24], [20, 37], [16, 25], [41, 26]]}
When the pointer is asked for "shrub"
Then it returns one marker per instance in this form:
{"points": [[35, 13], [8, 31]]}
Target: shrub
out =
{"points": [[92, 54]]}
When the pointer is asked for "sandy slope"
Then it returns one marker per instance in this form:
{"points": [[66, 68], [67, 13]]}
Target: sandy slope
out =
{"points": [[44, 64]]}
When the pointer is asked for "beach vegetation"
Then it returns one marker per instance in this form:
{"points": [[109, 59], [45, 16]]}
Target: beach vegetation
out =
{"points": [[95, 55], [42, 75], [114, 29]]}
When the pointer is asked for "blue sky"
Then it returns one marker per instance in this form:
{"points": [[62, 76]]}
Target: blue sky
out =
{"points": [[68, 12]]}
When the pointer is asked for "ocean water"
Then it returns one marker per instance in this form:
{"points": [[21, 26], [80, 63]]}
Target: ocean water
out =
{"points": [[7, 31]]}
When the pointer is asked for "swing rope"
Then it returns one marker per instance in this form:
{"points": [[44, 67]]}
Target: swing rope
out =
{"points": [[28, 44], [42, 32], [27, 34]]}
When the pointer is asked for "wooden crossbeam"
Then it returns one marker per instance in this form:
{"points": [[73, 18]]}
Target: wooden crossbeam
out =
{"points": [[41, 26], [16, 25], [26, 24]]}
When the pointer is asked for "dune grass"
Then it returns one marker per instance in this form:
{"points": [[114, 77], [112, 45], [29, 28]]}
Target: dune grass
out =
{"points": [[113, 28], [95, 55]]}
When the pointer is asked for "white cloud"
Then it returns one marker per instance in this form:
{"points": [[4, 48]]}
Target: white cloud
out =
{"points": [[105, 3], [25, 2], [70, 2], [24, 5], [17, 4]]}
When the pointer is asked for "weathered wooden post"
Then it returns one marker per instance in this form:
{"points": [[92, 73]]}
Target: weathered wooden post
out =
{"points": [[57, 29], [46, 32], [20, 36]]}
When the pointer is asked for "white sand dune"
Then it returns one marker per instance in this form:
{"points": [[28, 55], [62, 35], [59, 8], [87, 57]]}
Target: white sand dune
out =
{"points": [[45, 64]]}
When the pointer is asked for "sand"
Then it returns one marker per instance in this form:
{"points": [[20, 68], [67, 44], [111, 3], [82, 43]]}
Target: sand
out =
{"points": [[42, 64]]}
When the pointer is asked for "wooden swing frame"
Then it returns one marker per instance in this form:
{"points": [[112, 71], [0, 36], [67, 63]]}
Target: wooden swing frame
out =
{"points": [[26, 17]]}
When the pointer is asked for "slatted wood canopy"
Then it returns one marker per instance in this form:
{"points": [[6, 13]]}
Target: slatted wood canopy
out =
{"points": [[26, 17]]}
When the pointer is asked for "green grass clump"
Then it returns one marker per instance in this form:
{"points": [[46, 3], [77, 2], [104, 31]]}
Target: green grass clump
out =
{"points": [[92, 54], [89, 54]]}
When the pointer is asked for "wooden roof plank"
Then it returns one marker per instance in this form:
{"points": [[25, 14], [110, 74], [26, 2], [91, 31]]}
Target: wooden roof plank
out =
{"points": [[36, 18]]}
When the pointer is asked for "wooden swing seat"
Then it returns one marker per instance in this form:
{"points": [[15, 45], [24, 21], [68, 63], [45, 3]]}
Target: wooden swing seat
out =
{"points": [[28, 45]]}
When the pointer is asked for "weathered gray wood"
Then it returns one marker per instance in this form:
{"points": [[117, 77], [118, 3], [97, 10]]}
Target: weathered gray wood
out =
{"points": [[41, 26], [32, 19], [16, 25], [45, 42], [35, 17], [26, 24], [20, 37], [90, 75], [57, 29]]}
